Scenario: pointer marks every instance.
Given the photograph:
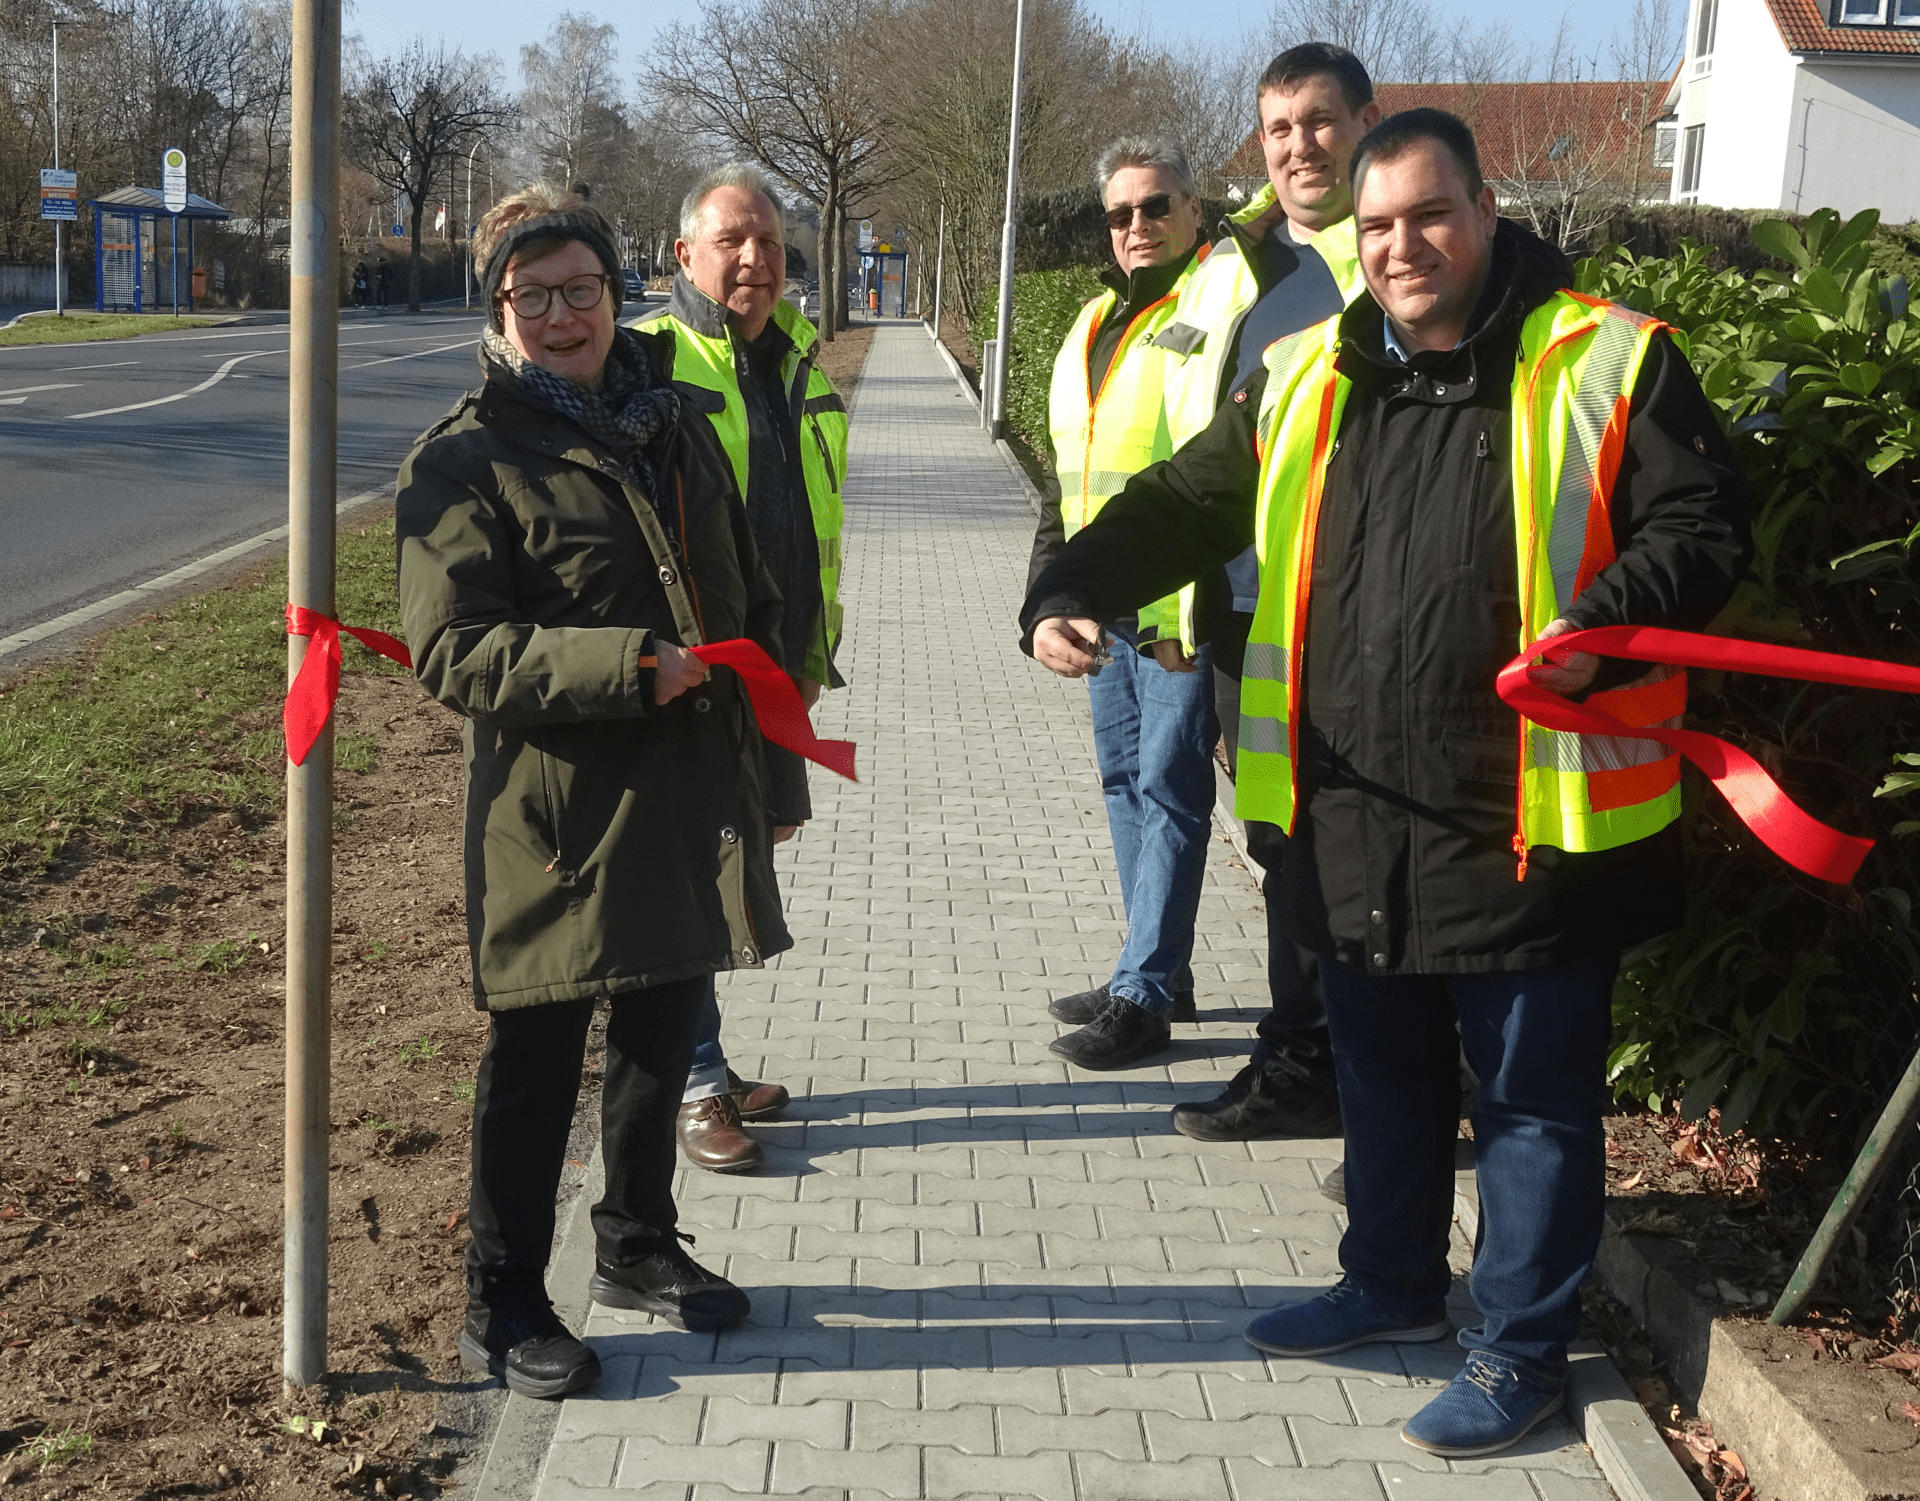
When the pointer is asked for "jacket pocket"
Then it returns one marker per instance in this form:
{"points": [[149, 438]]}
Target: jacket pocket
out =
{"points": [[1482, 756]]}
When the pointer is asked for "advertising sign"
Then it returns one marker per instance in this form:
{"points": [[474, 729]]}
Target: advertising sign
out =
{"points": [[173, 179], [866, 234], [59, 194]]}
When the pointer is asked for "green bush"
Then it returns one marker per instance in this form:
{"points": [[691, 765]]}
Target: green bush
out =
{"points": [[1785, 1000], [1045, 303]]}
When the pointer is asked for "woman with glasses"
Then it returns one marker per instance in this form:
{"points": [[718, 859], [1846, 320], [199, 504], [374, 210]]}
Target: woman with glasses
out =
{"points": [[566, 532]]}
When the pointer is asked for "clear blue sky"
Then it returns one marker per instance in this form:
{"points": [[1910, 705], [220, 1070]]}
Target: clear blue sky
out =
{"points": [[502, 26]]}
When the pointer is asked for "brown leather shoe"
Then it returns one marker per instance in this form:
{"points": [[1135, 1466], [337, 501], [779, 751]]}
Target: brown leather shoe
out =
{"points": [[710, 1135], [757, 1101]]}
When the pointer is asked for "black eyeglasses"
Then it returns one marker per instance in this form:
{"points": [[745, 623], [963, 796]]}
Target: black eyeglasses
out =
{"points": [[531, 299], [1120, 216]]}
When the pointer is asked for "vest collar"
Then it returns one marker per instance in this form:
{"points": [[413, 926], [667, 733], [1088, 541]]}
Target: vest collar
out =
{"points": [[1147, 285], [689, 305]]}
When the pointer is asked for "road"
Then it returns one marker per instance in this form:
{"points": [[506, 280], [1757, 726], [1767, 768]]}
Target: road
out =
{"points": [[122, 460]]}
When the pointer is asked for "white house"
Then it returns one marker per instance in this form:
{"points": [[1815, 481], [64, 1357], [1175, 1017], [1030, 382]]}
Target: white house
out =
{"points": [[1799, 105]]}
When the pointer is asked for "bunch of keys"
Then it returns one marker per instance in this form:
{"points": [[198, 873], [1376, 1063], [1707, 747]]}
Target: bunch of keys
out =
{"points": [[1101, 656]]}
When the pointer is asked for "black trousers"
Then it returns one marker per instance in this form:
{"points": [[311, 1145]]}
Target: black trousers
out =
{"points": [[523, 1107], [1293, 1039]]}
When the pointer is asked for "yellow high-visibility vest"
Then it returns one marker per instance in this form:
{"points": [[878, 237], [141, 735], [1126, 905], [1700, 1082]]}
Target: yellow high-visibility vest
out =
{"points": [[1199, 338], [1102, 438], [708, 367], [1572, 390]]}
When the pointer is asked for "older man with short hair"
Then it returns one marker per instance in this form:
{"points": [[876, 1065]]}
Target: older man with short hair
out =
{"points": [[1471, 459], [745, 358], [1153, 728]]}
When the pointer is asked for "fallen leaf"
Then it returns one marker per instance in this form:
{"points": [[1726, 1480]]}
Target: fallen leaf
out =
{"points": [[1899, 1360], [1633, 1182], [452, 1220], [1732, 1463], [1906, 1410]]}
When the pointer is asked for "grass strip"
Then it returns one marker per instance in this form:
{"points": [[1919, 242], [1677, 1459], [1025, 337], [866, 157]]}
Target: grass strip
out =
{"points": [[174, 715], [82, 328]]}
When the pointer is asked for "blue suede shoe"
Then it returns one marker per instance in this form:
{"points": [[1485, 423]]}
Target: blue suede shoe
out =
{"points": [[1491, 1405], [1338, 1319]]}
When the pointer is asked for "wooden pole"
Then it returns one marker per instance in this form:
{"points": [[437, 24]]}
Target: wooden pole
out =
{"points": [[313, 417]]}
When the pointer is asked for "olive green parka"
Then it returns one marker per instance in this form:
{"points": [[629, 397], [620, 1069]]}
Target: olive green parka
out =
{"points": [[612, 844]]}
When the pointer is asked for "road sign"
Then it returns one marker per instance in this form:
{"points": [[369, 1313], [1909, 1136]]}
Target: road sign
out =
{"points": [[399, 230], [173, 179], [59, 194], [866, 234]]}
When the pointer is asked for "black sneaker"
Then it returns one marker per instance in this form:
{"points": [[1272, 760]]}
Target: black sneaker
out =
{"points": [[530, 1349], [1257, 1103], [1079, 1009], [671, 1285], [1121, 1034]]}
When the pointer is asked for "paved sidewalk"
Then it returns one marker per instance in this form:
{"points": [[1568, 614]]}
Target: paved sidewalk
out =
{"points": [[976, 1272]]}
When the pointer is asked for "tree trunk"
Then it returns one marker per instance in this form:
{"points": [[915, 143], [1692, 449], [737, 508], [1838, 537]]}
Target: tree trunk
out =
{"points": [[823, 269], [418, 210]]}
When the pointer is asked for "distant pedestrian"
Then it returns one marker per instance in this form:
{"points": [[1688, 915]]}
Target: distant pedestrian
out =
{"points": [[382, 283], [359, 283]]}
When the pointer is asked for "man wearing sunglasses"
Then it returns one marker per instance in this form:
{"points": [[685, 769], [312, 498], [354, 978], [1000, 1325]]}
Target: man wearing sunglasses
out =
{"points": [[1283, 262], [744, 357], [1153, 731]]}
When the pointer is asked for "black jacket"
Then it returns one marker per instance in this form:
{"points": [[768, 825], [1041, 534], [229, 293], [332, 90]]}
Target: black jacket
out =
{"points": [[1401, 860]]}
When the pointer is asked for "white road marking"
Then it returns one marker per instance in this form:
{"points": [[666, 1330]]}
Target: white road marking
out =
{"points": [[160, 401], [147, 592], [117, 364], [416, 355], [24, 391]]}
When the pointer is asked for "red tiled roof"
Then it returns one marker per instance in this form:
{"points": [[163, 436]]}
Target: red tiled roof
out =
{"points": [[1803, 27], [1517, 125]]}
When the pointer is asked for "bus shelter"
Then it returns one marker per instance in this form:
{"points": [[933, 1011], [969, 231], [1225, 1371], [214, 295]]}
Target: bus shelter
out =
{"points": [[139, 261], [883, 280]]}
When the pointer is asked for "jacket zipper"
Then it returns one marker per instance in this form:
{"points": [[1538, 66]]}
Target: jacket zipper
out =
{"points": [[833, 479]]}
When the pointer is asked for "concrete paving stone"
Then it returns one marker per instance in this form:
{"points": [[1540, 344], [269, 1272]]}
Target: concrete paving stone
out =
{"points": [[955, 1218], [892, 1472], [1316, 1259], [876, 1425], [940, 1307], [1034, 1390], [953, 1472], [757, 1213], [1357, 1481], [1199, 1479], [858, 1188], [647, 1461], [1068, 1251], [1064, 1193], [1187, 1225], [1164, 1315], [823, 1346], [674, 1378], [1113, 1433], [852, 1306], [1321, 1443], [1074, 1220], [999, 1162], [892, 1274], [1257, 1256], [1014, 1193], [1014, 1348], [588, 1461], [1413, 1482], [811, 1243], [1229, 1354], [964, 1348], [802, 1383], [1089, 1391], [1232, 1397], [668, 1490], [822, 1423], [1433, 1363], [1110, 1168], [1165, 1195], [1554, 1486]]}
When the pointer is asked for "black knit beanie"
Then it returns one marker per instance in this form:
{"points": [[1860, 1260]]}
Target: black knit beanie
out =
{"points": [[565, 225]]}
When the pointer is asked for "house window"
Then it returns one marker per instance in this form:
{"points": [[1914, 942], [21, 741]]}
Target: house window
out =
{"points": [[1906, 12], [1693, 140], [1664, 135], [1709, 19], [1861, 13]]}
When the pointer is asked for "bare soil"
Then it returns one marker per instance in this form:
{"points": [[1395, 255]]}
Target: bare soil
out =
{"points": [[1744, 1210], [142, 1064]]}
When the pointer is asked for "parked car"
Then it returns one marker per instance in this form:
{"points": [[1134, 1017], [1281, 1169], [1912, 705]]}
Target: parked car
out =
{"points": [[636, 284]]}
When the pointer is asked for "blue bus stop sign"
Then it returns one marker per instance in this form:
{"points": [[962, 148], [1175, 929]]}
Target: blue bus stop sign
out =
{"points": [[399, 230]]}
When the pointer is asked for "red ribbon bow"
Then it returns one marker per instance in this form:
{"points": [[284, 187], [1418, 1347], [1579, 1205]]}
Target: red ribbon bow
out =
{"points": [[1795, 836], [777, 704], [316, 686]]}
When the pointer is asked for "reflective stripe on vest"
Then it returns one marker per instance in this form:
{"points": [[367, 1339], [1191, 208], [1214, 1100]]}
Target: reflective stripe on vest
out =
{"points": [[1571, 400]]}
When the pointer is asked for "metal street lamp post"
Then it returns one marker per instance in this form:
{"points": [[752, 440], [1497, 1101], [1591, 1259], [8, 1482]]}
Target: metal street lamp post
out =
{"points": [[59, 225], [1004, 340]]}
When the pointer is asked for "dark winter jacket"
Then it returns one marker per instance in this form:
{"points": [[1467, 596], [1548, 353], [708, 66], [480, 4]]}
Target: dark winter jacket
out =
{"points": [[1409, 760], [612, 844]]}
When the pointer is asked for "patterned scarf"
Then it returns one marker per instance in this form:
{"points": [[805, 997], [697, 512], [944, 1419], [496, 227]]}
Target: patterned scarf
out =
{"points": [[630, 413]]}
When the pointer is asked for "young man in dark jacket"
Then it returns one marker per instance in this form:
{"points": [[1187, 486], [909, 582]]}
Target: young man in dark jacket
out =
{"points": [[1470, 459]]}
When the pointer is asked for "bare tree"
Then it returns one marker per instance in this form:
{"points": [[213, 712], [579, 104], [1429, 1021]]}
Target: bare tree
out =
{"points": [[570, 101], [781, 82], [1398, 40], [407, 119]]}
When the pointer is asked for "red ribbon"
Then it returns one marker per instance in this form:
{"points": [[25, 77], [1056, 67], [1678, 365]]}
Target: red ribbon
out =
{"points": [[777, 704], [1796, 837], [316, 686]]}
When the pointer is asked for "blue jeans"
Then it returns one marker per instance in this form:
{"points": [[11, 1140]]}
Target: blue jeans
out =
{"points": [[1538, 1040], [1154, 732], [707, 1075]]}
